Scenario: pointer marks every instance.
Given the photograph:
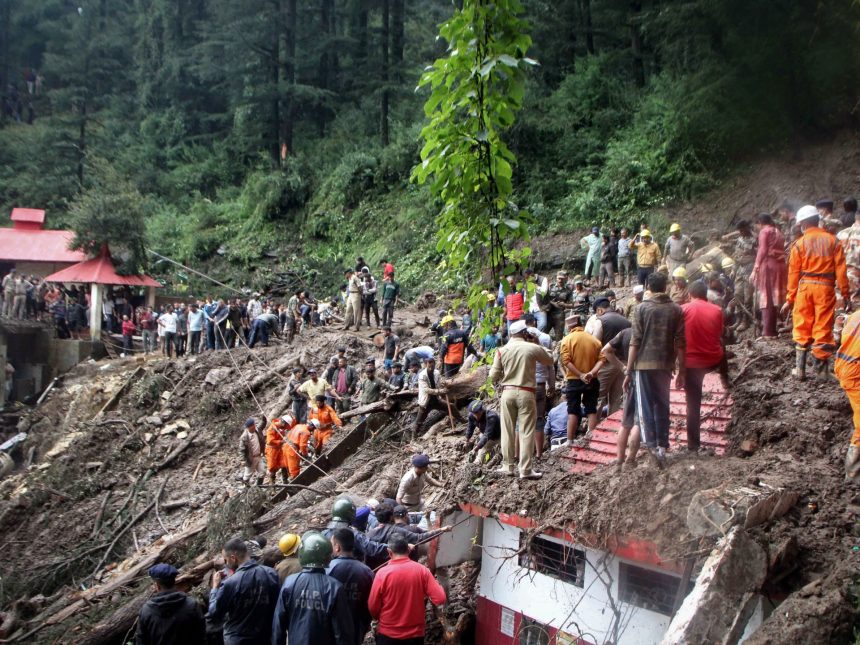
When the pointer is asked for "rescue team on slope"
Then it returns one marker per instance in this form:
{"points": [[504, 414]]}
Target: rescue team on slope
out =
{"points": [[616, 357]]}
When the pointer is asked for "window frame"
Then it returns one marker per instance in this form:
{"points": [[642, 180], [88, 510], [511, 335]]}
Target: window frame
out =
{"points": [[629, 592], [528, 559]]}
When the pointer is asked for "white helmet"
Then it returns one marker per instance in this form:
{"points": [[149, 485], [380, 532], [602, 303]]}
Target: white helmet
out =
{"points": [[314, 423], [804, 213]]}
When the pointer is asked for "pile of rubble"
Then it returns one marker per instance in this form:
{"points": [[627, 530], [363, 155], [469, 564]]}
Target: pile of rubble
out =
{"points": [[134, 462]]}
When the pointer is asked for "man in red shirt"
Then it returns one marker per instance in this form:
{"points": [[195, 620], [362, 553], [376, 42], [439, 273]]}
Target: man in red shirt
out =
{"points": [[397, 596], [703, 327]]}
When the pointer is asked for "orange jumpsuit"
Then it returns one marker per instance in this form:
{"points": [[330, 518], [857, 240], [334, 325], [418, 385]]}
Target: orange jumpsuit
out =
{"points": [[816, 264], [296, 444], [847, 369], [328, 420], [274, 446]]}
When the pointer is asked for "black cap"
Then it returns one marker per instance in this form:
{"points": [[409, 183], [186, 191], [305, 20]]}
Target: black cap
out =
{"points": [[601, 302]]}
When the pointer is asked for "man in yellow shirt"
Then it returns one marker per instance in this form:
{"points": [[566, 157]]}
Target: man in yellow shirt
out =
{"points": [[581, 358], [315, 386], [648, 255]]}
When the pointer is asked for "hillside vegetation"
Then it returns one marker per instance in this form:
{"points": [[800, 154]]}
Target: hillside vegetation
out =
{"points": [[249, 137]]}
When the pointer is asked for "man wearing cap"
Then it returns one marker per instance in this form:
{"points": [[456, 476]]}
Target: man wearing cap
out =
{"points": [[429, 388], [679, 293], [648, 256], [815, 267], [397, 380], [657, 340], [580, 358], [631, 303], [678, 248], [489, 429], [581, 297], [560, 298], [170, 616], [354, 291], [289, 545], [412, 483], [251, 446], [315, 386], [825, 213], [514, 371], [276, 433]]}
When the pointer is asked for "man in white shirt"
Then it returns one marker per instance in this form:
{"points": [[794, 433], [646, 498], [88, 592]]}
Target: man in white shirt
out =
{"points": [[167, 326], [536, 304]]}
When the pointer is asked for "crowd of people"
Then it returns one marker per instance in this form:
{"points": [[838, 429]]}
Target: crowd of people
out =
{"points": [[321, 587]]}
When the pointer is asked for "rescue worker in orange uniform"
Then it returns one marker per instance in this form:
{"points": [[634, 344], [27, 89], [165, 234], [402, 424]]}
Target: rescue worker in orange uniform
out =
{"points": [[816, 265], [296, 446], [847, 370], [454, 347], [328, 420], [275, 434]]}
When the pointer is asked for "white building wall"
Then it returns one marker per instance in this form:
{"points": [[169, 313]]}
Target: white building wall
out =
{"points": [[584, 612]]}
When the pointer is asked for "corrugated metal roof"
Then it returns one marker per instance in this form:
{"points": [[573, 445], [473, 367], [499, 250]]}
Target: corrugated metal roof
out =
{"points": [[100, 270], [716, 414], [34, 245]]}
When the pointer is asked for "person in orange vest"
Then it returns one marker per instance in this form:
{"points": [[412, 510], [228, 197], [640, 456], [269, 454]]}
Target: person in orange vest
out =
{"points": [[296, 445], [328, 420], [816, 265], [454, 347], [847, 370], [275, 434]]}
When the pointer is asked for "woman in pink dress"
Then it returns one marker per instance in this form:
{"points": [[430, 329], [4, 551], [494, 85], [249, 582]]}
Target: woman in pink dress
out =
{"points": [[770, 274]]}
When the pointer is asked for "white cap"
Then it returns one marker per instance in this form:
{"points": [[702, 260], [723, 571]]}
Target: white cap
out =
{"points": [[373, 503], [534, 331], [518, 327], [804, 213], [638, 288]]}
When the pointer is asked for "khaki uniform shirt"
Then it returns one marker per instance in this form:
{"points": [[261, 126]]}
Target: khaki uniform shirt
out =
{"points": [[514, 364], [648, 255]]}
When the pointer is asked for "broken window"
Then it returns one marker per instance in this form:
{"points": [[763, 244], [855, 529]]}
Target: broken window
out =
{"points": [[555, 559], [647, 588], [532, 632]]}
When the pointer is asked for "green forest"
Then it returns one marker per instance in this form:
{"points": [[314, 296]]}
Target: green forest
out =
{"points": [[263, 136]]}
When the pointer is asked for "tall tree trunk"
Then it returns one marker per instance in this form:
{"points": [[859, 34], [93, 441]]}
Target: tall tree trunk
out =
{"points": [[275, 77], [586, 21], [636, 43], [5, 29], [386, 29], [323, 77], [288, 76], [398, 38]]}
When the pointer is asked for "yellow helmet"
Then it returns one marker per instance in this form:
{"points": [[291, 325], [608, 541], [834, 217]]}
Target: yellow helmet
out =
{"points": [[448, 319], [727, 262], [675, 228], [680, 272], [706, 266], [645, 233], [289, 543]]}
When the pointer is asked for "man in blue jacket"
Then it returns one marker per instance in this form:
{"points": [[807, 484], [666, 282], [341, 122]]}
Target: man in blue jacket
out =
{"points": [[246, 600], [356, 578], [312, 606]]}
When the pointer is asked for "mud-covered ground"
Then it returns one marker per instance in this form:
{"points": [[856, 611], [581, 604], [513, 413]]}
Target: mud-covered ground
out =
{"points": [[62, 520]]}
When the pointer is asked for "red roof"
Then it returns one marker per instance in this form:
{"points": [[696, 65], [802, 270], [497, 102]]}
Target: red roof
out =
{"points": [[101, 271], [716, 414], [28, 216], [35, 245]]}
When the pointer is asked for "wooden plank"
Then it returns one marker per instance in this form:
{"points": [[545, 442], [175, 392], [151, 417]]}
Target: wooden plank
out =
{"points": [[111, 402]]}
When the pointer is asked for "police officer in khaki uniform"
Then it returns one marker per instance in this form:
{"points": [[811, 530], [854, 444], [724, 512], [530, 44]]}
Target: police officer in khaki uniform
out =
{"points": [[514, 371]]}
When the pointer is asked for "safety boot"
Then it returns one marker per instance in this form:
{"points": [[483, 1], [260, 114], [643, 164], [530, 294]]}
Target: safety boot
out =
{"points": [[852, 463], [260, 480], [285, 475], [272, 479], [799, 371]]}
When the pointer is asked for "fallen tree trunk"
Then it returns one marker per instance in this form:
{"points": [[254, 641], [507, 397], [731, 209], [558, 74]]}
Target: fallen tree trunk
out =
{"points": [[379, 406], [117, 625]]}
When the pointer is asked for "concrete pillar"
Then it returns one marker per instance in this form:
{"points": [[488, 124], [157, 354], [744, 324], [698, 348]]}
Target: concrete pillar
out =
{"points": [[96, 293], [150, 297]]}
